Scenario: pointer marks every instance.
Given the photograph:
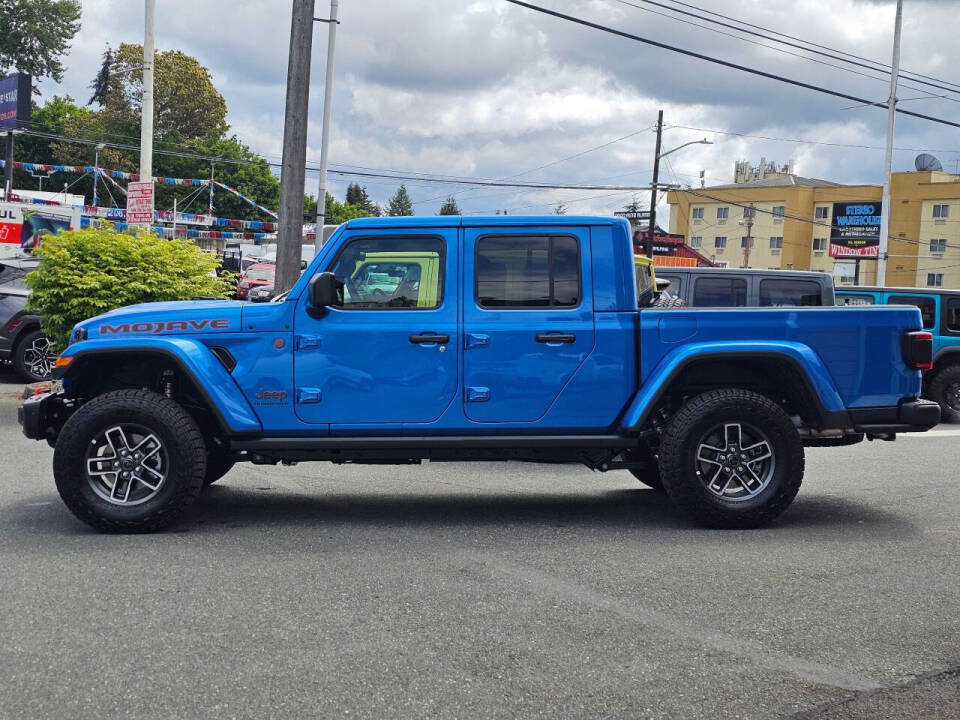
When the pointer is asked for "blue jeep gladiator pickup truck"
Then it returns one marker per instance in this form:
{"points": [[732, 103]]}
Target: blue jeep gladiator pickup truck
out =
{"points": [[459, 339]]}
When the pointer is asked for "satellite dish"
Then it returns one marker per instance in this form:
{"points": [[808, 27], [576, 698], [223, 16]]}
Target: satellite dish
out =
{"points": [[926, 162]]}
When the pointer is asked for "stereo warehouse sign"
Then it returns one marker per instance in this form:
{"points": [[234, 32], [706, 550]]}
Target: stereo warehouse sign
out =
{"points": [[855, 231]]}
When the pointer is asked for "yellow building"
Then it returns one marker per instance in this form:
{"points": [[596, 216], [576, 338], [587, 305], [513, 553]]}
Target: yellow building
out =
{"points": [[793, 219]]}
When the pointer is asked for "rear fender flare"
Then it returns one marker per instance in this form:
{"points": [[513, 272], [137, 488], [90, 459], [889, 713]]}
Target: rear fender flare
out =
{"points": [[810, 368], [192, 358]]}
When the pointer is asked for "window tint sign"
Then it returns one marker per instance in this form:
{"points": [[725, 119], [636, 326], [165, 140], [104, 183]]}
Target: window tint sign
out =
{"points": [[15, 102], [855, 231]]}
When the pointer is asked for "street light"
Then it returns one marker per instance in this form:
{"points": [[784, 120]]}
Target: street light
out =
{"points": [[656, 178]]}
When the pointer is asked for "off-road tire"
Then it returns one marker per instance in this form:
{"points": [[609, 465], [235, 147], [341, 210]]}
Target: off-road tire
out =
{"points": [[24, 342], [678, 458], [938, 388], [668, 302], [176, 430], [218, 465]]}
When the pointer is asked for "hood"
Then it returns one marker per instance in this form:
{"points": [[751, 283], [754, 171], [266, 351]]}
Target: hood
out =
{"points": [[165, 318]]}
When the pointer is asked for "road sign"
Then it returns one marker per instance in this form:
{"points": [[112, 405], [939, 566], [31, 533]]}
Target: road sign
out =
{"points": [[140, 203]]}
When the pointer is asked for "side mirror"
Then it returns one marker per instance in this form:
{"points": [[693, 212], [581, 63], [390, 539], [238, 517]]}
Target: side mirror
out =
{"points": [[323, 290]]}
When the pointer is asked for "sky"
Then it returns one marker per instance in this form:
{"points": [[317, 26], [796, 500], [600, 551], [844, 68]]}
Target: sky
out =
{"points": [[487, 89]]}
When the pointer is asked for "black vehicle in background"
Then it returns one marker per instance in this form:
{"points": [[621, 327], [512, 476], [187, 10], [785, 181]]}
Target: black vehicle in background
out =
{"points": [[21, 340], [733, 287]]}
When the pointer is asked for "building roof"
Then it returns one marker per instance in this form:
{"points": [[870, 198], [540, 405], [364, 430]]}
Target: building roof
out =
{"points": [[778, 181]]}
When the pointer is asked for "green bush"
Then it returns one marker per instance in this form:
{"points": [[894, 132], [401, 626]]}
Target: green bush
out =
{"points": [[84, 273]]}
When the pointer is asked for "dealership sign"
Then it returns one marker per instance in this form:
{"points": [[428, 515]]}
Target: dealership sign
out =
{"points": [[855, 231], [140, 203], [15, 99]]}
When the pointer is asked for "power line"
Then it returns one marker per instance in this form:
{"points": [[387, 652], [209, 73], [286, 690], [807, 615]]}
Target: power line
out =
{"points": [[727, 63], [905, 75], [887, 68]]}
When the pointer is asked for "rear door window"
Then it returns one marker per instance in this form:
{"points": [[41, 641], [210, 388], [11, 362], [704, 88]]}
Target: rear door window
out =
{"points": [[779, 292], [951, 323], [927, 305], [720, 292], [528, 272]]}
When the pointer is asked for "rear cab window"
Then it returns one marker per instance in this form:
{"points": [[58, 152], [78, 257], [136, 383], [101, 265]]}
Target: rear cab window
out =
{"points": [[781, 292], [927, 306], [720, 292], [951, 317], [528, 272]]}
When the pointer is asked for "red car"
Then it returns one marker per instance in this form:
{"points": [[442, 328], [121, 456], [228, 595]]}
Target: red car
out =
{"points": [[255, 276]]}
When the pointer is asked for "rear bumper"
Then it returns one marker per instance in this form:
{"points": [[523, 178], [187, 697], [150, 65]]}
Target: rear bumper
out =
{"points": [[908, 416]]}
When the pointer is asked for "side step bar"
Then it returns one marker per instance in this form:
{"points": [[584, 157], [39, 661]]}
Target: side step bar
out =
{"points": [[419, 442]]}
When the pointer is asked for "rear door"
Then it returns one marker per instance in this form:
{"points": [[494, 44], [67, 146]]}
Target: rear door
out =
{"points": [[528, 319]]}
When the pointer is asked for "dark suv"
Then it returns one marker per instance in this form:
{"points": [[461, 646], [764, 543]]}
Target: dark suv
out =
{"points": [[732, 287], [21, 340]]}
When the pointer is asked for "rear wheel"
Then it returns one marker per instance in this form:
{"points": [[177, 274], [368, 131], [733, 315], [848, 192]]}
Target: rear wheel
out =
{"points": [[129, 461], [944, 389], [731, 459], [34, 357]]}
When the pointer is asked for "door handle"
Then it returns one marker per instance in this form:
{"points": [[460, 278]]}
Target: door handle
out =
{"points": [[424, 339], [556, 338]]}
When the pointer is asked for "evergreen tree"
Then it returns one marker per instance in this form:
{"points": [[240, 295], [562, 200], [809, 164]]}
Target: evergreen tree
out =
{"points": [[400, 203], [450, 207], [560, 209]]}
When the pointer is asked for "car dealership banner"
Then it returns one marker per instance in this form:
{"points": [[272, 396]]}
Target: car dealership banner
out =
{"points": [[855, 231], [15, 96]]}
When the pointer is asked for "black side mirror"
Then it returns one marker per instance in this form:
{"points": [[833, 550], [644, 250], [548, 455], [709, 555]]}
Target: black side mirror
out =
{"points": [[323, 290]]}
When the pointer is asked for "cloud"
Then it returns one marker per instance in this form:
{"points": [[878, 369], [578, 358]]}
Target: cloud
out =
{"points": [[483, 88]]}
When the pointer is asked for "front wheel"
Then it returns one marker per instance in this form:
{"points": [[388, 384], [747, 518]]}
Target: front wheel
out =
{"points": [[731, 459], [34, 357], [129, 461]]}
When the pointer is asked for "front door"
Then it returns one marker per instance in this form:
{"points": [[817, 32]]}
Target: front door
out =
{"points": [[528, 319], [388, 351]]}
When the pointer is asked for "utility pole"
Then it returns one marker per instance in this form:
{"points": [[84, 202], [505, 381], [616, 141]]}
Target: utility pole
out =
{"points": [[653, 188], [886, 208], [96, 169], [325, 138], [746, 251], [146, 114], [292, 173], [8, 167]]}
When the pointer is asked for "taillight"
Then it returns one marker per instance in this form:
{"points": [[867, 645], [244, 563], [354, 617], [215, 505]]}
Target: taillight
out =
{"points": [[14, 325], [918, 349]]}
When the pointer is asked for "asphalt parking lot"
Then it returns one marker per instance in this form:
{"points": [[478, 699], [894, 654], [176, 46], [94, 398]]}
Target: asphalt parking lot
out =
{"points": [[487, 590]]}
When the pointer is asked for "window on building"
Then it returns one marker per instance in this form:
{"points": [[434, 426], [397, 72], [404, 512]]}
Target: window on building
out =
{"points": [[749, 212], [696, 241], [528, 272], [819, 244], [938, 245], [697, 213], [789, 293], [723, 213], [743, 242], [941, 210], [927, 306], [776, 243], [934, 279], [720, 292], [720, 242], [779, 211], [821, 213]]}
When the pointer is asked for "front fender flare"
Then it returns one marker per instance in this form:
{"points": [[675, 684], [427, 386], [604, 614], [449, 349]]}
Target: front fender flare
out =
{"points": [[800, 356], [194, 359]]}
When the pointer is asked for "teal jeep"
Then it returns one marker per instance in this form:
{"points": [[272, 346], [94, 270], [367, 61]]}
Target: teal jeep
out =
{"points": [[940, 311]]}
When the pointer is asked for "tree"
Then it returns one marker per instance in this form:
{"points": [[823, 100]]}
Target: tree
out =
{"points": [[358, 197], [84, 273], [400, 203], [560, 209], [35, 34], [186, 103], [450, 206]]}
